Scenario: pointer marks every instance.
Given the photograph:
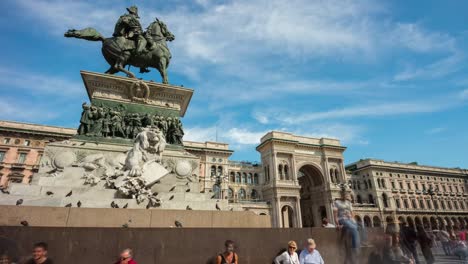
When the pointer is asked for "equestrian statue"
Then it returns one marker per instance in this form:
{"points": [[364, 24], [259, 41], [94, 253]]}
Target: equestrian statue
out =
{"points": [[130, 45]]}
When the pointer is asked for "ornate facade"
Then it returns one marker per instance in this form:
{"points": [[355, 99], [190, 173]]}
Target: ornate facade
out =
{"points": [[295, 183], [408, 192], [22, 146]]}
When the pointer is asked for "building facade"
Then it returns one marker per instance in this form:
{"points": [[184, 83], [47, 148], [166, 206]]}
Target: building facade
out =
{"points": [[386, 191], [295, 183], [21, 149]]}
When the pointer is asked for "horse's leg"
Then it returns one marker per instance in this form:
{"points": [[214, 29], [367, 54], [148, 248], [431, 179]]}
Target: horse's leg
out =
{"points": [[122, 69], [162, 69], [112, 70]]}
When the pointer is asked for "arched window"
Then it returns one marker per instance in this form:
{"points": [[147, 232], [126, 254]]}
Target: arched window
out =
{"points": [[256, 181], [332, 175], [254, 194], [286, 172], [280, 171], [220, 171], [249, 178], [413, 202], [337, 176], [358, 184], [217, 191], [371, 199], [244, 177], [376, 221], [232, 177], [369, 183], [213, 170], [241, 194], [230, 194], [385, 200], [383, 184], [367, 221], [405, 202], [421, 204], [267, 178], [365, 185], [455, 205], [398, 203], [238, 177], [378, 183], [359, 199]]}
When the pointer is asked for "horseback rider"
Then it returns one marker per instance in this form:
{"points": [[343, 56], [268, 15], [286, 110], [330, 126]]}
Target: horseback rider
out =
{"points": [[129, 27]]}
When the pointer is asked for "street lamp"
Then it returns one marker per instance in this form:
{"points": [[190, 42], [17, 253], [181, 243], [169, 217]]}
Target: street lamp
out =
{"points": [[431, 192]]}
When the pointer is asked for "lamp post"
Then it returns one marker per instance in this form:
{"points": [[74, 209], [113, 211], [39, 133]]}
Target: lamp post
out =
{"points": [[431, 192]]}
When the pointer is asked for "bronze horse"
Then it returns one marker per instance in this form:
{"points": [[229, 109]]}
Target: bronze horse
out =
{"points": [[120, 51]]}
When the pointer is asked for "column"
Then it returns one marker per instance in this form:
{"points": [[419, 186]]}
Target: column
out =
{"points": [[293, 169], [278, 214], [275, 169], [326, 172], [298, 212]]}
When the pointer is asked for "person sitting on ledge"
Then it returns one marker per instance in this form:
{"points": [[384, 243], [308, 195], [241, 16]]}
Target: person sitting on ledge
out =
{"points": [[344, 217], [40, 254], [126, 257], [310, 255], [229, 256], [289, 256]]}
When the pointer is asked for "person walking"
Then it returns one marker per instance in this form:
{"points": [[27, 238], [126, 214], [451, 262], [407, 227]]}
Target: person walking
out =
{"points": [[228, 256], [408, 241], [444, 238], [126, 257], [310, 255], [289, 256], [344, 217], [426, 243]]}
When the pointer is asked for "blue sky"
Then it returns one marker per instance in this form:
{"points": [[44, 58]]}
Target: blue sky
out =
{"points": [[387, 78]]}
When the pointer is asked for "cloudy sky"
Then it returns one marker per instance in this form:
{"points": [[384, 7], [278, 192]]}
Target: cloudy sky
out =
{"points": [[387, 78]]}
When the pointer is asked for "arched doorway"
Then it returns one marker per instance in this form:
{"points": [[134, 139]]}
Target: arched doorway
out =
{"points": [[287, 214], [313, 199], [376, 221], [367, 221]]}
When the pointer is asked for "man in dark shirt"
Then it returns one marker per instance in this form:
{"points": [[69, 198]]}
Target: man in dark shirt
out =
{"points": [[40, 254]]}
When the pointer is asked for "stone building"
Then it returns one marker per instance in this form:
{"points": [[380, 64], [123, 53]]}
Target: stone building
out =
{"points": [[408, 192], [22, 146], [295, 183]]}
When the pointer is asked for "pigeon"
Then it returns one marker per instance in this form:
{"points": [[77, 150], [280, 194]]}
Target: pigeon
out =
{"points": [[5, 191], [172, 197], [148, 206], [125, 206], [49, 193], [188, 207], [187, 183], [232, 209], [24, 223], [19, 202], [69, 194], [78, 204], [68, 205], [129, 220], [125, 225], [53, 170], [113, 205], [82, 144], [213, 196], [172, 189], [188, 190], [217, 207], [178, 224]]}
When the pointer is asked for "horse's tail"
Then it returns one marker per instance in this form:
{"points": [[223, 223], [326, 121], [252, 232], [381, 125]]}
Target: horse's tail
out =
{"points": [[87, 33]]}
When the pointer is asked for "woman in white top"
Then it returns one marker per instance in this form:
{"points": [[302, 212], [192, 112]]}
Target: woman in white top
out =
{"points": [[289, 256]]}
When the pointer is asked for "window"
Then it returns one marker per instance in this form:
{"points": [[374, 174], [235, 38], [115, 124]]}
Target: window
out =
{"points": [[385, 200], [2, 155], [428, 204], [424, 187], [232, 177], [393, 185], [383, 184], [405, 202], [213, 170], [27, 143], [217, 191], [401, 185], [241, 194], [254, 195], [413, 203], [409, 185], [39, 157], [230, 194], [359, 199], [249, 178], [6, 140], [398, 203], [255, 179], [22, 158], [371, 199], [238, 177], [421, 204], [244, 177]]}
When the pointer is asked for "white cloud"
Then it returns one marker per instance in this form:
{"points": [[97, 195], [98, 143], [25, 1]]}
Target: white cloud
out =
{"points": [[434, 70], [435, 130], [39, 83], [16, 110]]}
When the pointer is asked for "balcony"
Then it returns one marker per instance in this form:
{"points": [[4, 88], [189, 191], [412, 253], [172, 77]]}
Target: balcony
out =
{"points": [[410, 191], [394, 190], [17, 166], [402, 191]]}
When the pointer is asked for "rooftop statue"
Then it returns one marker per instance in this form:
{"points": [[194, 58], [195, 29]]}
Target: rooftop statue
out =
{"points": [[130, 45]]}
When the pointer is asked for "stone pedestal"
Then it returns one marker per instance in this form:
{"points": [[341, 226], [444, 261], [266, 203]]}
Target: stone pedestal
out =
{"points": [[97, 169]]}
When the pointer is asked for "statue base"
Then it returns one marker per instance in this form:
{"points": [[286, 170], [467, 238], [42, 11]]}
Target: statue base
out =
{"points": [[120, 156]]}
